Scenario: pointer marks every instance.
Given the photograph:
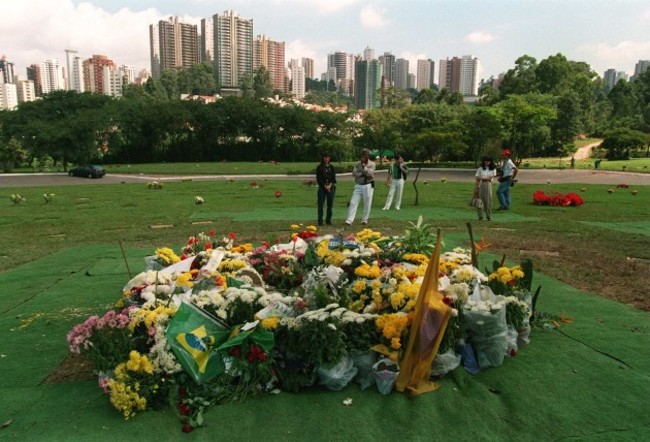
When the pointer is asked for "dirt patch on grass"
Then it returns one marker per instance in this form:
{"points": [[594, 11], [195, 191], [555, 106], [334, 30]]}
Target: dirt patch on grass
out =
{"points": [[73, 368], [584, 264]]}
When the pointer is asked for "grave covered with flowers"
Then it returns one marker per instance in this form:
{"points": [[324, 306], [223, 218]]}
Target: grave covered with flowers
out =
{"points": [[220, 320]]}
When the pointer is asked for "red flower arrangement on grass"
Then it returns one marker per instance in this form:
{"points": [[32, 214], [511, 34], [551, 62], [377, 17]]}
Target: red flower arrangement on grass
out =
{"points": [[278, 194], [557, 199]]}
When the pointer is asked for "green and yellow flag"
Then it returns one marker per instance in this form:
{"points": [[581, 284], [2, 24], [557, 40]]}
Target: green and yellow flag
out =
{"points": [[427, 329], [194, 337]]}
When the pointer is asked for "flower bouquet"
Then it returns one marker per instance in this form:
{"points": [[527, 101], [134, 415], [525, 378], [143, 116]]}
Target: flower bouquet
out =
{"points": [[222, 320]]}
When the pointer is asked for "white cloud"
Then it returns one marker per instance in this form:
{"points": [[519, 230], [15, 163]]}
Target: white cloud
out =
{"points": [[623, 55], [322, 6], [373, 17], [122, 36], [479, 37]]}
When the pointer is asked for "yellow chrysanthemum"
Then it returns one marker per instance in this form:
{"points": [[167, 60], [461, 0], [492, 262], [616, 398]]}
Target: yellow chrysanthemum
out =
{"points": [[397, 300], [396, 343], [184, 280], [367, 271], [167, 255], [322, 249], [416, 258], [359, 286], [294, 226], [270, 323]]}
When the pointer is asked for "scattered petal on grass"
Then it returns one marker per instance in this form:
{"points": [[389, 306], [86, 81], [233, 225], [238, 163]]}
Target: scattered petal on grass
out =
{"points": [[347, 402]]}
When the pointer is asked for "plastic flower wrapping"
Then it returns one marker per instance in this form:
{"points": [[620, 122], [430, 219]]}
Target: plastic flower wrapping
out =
{"points": [[219, 320]]}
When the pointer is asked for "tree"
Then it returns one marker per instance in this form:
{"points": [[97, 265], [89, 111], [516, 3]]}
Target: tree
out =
{"points": [[65, 125], [480, 127], [262, 83], [619, 142], [521, 79], [525, 122], [426, 96]]}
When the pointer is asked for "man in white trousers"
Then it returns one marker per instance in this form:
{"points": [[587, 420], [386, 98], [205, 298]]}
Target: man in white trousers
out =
{"points": [[396, 175], [364, 186]]}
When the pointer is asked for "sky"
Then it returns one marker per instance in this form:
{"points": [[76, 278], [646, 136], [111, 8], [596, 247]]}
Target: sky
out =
{"points": [[603, 33]]}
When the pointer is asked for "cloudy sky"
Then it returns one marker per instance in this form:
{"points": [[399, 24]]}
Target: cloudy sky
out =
{"points": [[604, 33]]}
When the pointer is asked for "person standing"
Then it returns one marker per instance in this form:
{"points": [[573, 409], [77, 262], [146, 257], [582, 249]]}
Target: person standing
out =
{"points": [[397, 172], [326, 179], [484, 176], [363, 173], [506, 180]]}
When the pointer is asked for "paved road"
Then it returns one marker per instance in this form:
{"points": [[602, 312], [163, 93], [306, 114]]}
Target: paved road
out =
{"points": [[533, 176]]}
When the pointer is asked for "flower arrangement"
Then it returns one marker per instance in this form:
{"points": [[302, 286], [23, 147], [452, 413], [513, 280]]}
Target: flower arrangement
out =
{"points": [[557, 199], [153, 185], [198, 200], [278, 315], [278, 194], [17, 198]]}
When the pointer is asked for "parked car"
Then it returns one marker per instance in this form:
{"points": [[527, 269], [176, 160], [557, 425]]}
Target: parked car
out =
{"points": [[89, 171]]}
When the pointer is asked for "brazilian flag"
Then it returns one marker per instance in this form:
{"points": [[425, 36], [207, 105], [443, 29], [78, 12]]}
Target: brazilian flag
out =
{"points": [[194, 336]]}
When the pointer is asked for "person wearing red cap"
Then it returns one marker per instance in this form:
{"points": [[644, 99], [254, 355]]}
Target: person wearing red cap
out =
{"points": [[506, 180]]}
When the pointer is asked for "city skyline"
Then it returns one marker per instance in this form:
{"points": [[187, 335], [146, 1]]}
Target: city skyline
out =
{"points": [[605, 34]]}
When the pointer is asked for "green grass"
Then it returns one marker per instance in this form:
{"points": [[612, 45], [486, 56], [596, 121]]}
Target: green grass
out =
{"points": [[639, 165], [551, 390], [140, 217]]}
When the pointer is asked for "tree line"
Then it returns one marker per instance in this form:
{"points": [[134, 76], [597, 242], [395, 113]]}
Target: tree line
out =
{"points": [[537, 110]]}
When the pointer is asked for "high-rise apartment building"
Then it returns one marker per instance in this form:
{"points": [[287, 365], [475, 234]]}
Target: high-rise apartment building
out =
{"points": [[368, 54], [52, 76], [425, 74], [410, 84], [233, 48], [74, 78], [460, 75], [35, 74], [639, 68], [270, 54], [367, 81], [8, 96], [297, 79], [6, 70], [609, 77], [308, 65], [338, 60], [206, 40], [25, 90], [93, 72], [114, 80], [389, 68], [173, 45], [401, 73]]}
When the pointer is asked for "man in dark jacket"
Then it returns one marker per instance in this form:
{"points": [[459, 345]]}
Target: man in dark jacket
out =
{"points": [[326, 179]]}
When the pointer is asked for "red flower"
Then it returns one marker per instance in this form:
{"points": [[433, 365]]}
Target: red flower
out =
{"points": [[211, 233], [278, 194], [262, 357], [207, 246], [183, 256], [447, 300], [187, 428], [513, 352], [231, 235]]}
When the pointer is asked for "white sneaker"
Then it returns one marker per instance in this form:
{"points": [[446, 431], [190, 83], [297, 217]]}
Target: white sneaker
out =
{"points": [[364, 222], [348, 223]]}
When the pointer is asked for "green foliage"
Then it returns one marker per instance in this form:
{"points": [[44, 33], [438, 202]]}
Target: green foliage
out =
{"points": [[619, 142]]}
